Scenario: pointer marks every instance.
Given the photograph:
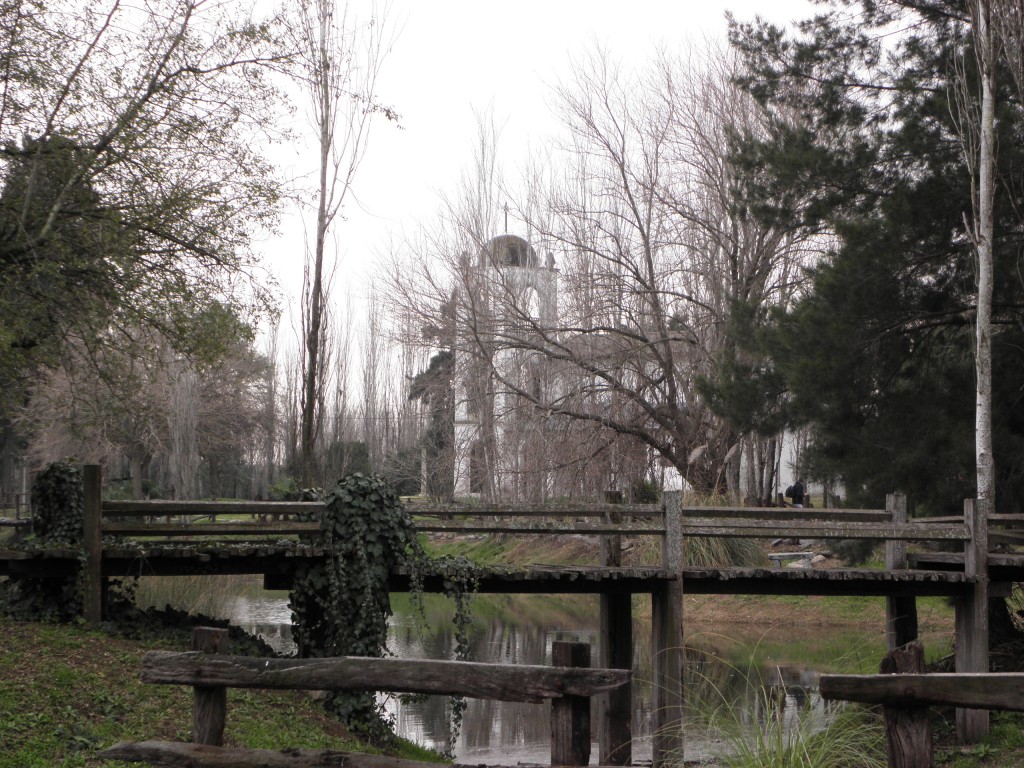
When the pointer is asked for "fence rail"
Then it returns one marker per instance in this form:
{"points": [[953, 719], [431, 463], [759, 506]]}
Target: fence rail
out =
{"points": [[569, 686], [906, 693], [611, 519]]}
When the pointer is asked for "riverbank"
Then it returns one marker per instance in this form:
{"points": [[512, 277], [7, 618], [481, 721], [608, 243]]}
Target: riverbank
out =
{"points": [[67, 692]]}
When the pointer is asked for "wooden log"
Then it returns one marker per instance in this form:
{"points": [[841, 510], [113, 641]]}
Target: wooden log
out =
{"points": [[209, 702], [568, 526], [791, 513], [971, 618], [241, 528], [174, 754], [157, 508], [570, 716], [991, 690], [900, 610], [615, 708], [532, 510], [530, 683], [908, 732], [92, 542], [800, 529]]}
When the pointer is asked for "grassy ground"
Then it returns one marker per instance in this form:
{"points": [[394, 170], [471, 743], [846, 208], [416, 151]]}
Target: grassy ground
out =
{"points": [[67, 692]]}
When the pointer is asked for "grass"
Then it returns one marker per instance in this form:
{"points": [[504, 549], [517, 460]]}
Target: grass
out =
{"points": [[67, 693], [769, 726], [843, 738]]}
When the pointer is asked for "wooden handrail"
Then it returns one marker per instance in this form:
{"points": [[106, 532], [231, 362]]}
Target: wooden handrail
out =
{"points": [[161, 508], [500, 682], [823, 530], [979, 690], [538, 526], [735, 522], [242, 528]]}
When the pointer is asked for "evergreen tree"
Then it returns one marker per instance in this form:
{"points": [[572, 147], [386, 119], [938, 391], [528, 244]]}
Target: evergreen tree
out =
{"points": [[878, 353]]}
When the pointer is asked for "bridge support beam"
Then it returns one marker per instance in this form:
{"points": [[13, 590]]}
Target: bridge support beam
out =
{"points": [[972, 622], [615, 708], [667, 643], [900, 610]]}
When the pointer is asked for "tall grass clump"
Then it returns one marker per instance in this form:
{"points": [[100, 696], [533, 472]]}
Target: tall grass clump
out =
{"points": [[706, 552], [767, 728], [845, 737]]}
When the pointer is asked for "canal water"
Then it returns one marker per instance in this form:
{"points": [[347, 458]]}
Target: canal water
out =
{"points": [[750, 672]]}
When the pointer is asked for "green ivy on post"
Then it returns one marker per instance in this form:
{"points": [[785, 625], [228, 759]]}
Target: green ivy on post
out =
{"points": [[340, 606]]}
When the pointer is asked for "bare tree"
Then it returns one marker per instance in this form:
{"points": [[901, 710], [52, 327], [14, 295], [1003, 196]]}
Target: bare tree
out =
{"points": [[141, 399], [342, 57], [653, 253]]}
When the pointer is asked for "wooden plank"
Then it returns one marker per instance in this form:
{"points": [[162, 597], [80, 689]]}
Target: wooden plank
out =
{"points": [[533, 510], [161, 508], [570, 715], [900, 610], [971, 619], [983, 690], [667, 643], [241, 528], [174, 754], [209, 702], [530, 683], [1001, 559], [1015, 538], [787, 513], [908, 731], [820, 530], [1014, 518], [540, 526], [615, 708]]}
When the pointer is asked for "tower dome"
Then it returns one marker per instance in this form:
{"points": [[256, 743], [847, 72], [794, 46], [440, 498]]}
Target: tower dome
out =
{"points": [[508, 251]]}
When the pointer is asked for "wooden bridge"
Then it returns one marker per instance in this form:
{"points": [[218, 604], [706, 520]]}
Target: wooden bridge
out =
{"points": [[176, 538]]}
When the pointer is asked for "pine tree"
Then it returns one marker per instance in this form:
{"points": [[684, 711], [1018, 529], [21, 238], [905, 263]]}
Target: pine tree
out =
{"points": [[878, 354]]}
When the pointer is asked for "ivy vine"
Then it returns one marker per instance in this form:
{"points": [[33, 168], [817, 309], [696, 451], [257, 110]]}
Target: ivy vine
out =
{"points": [[58, 503], [57, 509], [340, 606]]}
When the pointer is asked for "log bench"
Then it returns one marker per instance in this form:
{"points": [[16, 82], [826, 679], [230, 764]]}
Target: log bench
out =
{"points": [[569, 685], [906, 693]]}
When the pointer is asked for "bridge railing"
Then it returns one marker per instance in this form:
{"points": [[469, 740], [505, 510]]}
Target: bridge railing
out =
{"points": [[265, 518]]}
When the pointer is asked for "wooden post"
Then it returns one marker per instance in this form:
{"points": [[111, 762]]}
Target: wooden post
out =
{"points": [[972, 622], [900, 610], [92, 543], [210, 702], [908, 732], [570, 715], [615, 708], [667, 642]]}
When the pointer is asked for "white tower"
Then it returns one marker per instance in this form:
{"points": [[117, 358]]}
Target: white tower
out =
{"points": [[514, 296]]}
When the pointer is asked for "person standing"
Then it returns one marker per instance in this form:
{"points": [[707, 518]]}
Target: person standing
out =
{"points": [[798, 493]]}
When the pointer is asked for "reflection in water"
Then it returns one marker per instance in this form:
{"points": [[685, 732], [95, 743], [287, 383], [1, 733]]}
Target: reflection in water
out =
{"points": [[496, 732], [719, 674]]}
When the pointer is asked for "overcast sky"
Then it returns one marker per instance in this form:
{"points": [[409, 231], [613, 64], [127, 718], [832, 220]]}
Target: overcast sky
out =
{"points": [[454, 59]]}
